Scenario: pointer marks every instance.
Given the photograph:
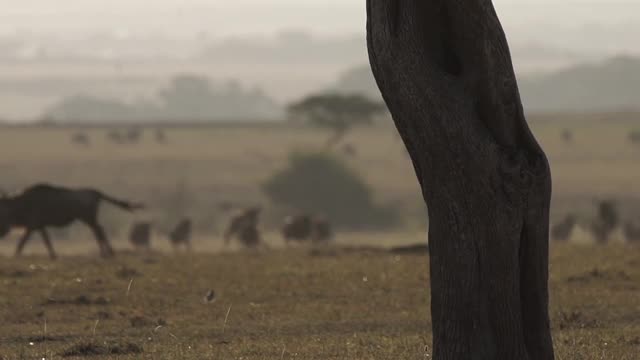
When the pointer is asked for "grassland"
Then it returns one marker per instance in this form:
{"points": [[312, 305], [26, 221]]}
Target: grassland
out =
{"points": [[286, 304], [201, 167]]}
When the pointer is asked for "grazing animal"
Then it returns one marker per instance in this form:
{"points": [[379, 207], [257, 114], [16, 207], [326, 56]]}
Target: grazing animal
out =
{"points": [[80, 139], [632, 232], [297, 228], [161, 137], [133, 135], [115, 137], [43, 205], [301, 228], [562, 230], [244, 227], [608, 219], [322, 231], [140, 235], [181, 234], [567, 135]]}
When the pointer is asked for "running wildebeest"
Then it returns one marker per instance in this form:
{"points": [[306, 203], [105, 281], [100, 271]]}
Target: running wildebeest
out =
{"points": [[140, 235], [244, 226], [562, 230], [181, 234], [41, 206], [301, 228]]}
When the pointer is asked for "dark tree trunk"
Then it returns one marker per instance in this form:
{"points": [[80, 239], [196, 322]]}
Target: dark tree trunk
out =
{"points": [[445, 72]]}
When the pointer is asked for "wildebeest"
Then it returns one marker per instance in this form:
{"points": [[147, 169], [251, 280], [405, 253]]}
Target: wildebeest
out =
{"points": [[607, 220], [161, 137], [296, 228], [80, 139], [140, 235], [115, 136], [631, 231], [562, 230], [133, 135], [244, 227], [181, 234], [301, 228], [567, 135], [41, 206], [322, 231]]}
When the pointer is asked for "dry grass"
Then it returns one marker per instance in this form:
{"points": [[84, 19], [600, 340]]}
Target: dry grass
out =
{"points": [[203, 166], [287, 304]]}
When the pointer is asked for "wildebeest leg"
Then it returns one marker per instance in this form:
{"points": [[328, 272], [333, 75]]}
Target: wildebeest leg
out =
{"points": [[47, 243], [105, 248], [23, 240]]}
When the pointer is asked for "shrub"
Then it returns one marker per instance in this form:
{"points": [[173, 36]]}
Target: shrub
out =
{"points": [[320, 183]]}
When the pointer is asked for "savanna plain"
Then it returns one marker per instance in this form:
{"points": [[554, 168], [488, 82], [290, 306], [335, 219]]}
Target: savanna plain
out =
{"points": [[351, 299]]}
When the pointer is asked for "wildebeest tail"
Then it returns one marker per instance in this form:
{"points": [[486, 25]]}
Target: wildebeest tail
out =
{"points": [[129, 206]]}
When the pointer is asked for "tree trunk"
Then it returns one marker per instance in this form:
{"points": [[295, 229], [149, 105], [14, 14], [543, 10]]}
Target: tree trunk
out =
{"points": [[445, 72]]}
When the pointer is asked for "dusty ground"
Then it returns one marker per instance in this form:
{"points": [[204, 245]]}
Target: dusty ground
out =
{"points": [[286, 304]]}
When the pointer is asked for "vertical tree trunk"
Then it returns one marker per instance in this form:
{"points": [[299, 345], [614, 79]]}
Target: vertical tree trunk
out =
{"points": [[445, 72]]}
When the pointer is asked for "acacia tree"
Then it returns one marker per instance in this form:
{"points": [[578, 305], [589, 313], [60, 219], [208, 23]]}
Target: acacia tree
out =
{"points": [[445, 72], [339, 113]]}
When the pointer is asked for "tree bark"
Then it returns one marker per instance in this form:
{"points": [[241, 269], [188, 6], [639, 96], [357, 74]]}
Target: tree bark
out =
{"points": [[445, 72]]}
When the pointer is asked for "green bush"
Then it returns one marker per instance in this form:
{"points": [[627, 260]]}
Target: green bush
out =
{"points": [[320, 183]]}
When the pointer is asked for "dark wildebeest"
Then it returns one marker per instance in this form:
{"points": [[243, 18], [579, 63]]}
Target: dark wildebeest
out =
{"points": [[608, 219], [322, 231], [161, 137], [43, 205], [562, 230], [181, 234], [301, 228], [296, 228], [80, 139], [632, 232], [244, 226], [115, 136], [133, 135], [140, 235]]}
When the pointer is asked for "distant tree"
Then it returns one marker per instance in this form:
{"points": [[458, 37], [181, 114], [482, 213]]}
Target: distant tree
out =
{"points": [[195, 97], [84, 107], [340, 113], [634, 137], [567, 135], [187, 97]]}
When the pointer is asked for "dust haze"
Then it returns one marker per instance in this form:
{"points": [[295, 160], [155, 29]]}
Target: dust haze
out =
{"points": [[127, 51]]}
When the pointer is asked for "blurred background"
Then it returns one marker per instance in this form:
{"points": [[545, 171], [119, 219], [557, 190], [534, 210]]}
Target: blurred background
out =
{"points": [[198, 108]]}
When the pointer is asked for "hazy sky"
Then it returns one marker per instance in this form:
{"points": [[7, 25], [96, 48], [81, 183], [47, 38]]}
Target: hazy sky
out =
{"points": [[225, 17]]}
